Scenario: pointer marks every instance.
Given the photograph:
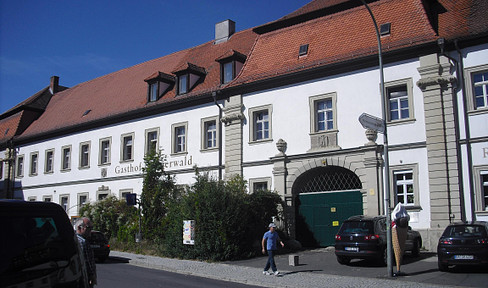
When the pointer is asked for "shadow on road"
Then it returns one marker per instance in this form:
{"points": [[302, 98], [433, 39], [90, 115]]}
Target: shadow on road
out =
{"points": [[115, 259]]}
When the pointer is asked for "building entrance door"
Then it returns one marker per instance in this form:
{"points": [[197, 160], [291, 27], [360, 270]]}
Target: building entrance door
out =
{"points": [[326, 196]]}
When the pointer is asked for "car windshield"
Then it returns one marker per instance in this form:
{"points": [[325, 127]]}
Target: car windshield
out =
{"points": [[33, 241], [465, 231], [357, 227]]}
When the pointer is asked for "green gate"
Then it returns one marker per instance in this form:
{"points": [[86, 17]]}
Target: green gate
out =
{"points": [[321, 215]]}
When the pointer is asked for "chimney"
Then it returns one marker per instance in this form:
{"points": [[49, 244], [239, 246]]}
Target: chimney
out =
{"points": [[224, 30], [54, 86]]}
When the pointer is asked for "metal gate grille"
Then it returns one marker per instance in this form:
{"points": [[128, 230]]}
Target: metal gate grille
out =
{"points": [[330, 178]]}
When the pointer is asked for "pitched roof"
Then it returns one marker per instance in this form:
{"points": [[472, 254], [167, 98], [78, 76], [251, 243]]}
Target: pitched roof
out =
{"points": [[126, 91], [337, 38]]}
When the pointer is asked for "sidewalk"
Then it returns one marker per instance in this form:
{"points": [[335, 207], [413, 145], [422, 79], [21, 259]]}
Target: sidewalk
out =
{"points": [[253, 275]]}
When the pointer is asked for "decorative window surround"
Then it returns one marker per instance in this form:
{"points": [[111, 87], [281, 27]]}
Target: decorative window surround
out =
{"points": [[66, 158], [470, 88], [323, 138], [231, 64], [403, 101], [179, 132], [188, 76], [127, 147], [413, 182], [260, 124], [256, 184], [104, 152], [34, 163], [209, 133], [152, 140], [84, 155], [19, 170], [49, 162]]}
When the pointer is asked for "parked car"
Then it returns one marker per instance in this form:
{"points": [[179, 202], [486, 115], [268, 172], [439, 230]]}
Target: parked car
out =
{"points": [[99, 245], [364, 237], [38, 247], [463, 244]]}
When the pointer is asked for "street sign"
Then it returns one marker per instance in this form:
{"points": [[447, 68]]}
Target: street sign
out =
{"points": [[372, 122]]}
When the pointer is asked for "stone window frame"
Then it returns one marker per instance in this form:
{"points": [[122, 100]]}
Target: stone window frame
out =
{"points": [[19, 166], [477, 172], [47, 169], [252, 125], [124, 191], [416, 193], [408, 82], [203, 129], [63, 159], [100, 151], [253, 181], [78, 198], [468, 72], [327, 139], [67, 196], [45, 197], [146, 143], [82, 144], [122, 147], [174, 138], [32, 198], [34, 165]]}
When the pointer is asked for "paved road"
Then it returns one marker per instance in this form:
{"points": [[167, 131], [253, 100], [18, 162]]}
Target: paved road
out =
{"points": [[318, 268], [117, 272]]}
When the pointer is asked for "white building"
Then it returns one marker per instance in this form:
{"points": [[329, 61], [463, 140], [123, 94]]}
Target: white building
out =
{"points": [[279, 104]]}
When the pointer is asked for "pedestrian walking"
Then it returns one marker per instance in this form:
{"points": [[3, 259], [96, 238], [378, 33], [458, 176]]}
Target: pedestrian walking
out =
{"points": [[270, 238], [83, 230]]}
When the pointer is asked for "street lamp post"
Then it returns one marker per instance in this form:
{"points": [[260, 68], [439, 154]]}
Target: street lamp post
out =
{"points": [[385, 144]]}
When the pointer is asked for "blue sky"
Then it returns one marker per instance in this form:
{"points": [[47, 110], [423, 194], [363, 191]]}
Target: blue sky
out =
{"points": [[79, 40]]}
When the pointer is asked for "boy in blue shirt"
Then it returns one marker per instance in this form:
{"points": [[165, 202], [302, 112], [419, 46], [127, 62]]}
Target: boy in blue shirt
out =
{"points": [[271, 237]]}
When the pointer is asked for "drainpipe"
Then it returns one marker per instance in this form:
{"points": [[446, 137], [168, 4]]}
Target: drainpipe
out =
{"points": [[468, 133], [441, 43], [214, 95]]}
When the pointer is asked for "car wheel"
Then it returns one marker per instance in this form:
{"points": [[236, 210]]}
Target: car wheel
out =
{"points": [[343, 260], [442, 267], [416, 248]]}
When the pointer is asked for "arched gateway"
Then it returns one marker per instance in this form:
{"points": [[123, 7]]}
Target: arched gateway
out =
{"points": [[324, 198]]}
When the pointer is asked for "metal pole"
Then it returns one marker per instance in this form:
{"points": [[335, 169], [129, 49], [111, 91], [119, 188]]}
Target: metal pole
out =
{"points": [[386, 172]]}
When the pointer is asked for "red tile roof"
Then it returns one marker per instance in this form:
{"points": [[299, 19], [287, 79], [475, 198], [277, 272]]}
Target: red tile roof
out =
{"points": [[336, 38], [125, 90]]}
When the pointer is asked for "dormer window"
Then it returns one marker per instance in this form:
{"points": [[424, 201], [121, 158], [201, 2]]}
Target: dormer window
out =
{"points": [[158, 84], [189, 76], [230, 65]]}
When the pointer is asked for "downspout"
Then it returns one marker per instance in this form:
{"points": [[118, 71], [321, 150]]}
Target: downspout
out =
{"points": [[214, 95], [467, 131], [441, 43]]}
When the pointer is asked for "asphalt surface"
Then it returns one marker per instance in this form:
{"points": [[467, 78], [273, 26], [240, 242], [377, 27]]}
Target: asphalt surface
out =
{"points": [[317, 268]]}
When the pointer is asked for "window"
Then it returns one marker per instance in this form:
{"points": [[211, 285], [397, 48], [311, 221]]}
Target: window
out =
{"points": [[124, 192], [189, 75], [230, 65], [127, 147], [85, 155], [32, 198], [179, 137], [66, 160], [34, 163], [484, 190], [481, 187], [260, 184], [323, 122], [152, 141], [324, 115], [477, 88], [154, 92], [209, 133], [1, 169], [399, 100], [104, 153], [64, 202], [20, 166], [82, 200], [303, 50], [47, 198], [385, 29], [260, 128], [404, 187], [158, 84], [49, 165]]}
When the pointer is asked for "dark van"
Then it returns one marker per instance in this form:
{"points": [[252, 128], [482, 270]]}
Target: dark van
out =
{"points": [[38, 247]]}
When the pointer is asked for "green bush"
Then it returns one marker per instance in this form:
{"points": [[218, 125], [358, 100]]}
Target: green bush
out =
{"points": [[111, 216], [227, 219]]}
